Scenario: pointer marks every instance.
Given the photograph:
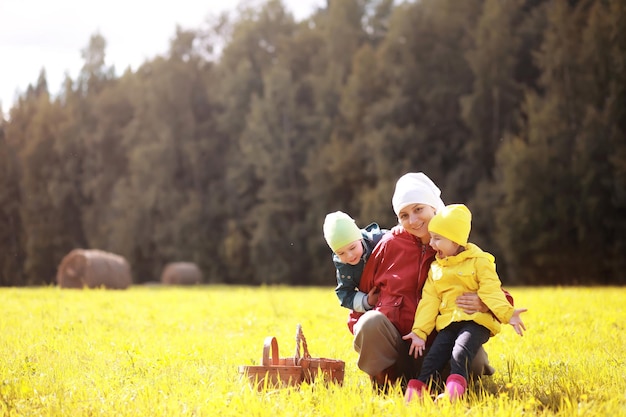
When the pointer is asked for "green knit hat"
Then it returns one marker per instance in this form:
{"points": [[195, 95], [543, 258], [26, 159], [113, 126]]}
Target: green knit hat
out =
{"points": [[340, 230]]}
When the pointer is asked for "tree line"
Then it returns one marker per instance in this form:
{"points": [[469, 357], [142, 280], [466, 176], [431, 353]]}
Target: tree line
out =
{"points": [[229, 149]]}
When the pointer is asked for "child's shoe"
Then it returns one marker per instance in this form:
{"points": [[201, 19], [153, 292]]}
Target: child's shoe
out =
{"points": [[415, 390], [455, 387]]}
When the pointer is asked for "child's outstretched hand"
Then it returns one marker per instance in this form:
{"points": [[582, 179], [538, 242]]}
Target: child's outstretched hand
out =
{"points": [[417, 345], [516, 321]]}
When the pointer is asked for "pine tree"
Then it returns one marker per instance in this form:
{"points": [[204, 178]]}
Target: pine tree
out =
{"points": [[273, 144], [490, 112], [570, 130], [259, 40], [11, 230]]}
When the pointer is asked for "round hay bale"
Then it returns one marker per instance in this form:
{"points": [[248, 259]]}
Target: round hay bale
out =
{"points": [[93, 268], [181, 273]]}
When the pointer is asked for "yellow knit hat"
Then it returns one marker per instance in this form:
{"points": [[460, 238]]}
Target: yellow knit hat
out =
{"points": [[453, 222], [340, 230]]}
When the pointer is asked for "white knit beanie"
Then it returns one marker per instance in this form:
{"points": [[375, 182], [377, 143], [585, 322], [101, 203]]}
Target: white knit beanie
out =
{"points": [[416, 188]]}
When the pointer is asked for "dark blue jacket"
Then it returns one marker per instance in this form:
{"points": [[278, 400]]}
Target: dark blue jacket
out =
{"points": [[349, 276]]}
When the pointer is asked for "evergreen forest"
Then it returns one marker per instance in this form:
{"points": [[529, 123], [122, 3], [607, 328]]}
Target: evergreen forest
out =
{"points": [[229, 149]]}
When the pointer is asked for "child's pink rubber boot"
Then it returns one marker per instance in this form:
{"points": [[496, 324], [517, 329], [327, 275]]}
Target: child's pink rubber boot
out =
{"points": [[455, 386], [415, 390]]}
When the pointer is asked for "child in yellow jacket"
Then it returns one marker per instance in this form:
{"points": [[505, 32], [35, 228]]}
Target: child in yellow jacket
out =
{"points": [[459, 267]]}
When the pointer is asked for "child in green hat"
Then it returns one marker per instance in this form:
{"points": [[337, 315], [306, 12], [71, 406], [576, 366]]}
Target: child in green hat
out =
{"points": [[351, 248]]}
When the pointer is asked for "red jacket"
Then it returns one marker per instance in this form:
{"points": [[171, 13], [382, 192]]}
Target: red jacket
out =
{"points": [[398, 267]]}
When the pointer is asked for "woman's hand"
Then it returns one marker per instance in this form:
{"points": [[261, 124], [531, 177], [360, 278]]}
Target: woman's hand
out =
{"points": [[417, 345], [470, 303]]}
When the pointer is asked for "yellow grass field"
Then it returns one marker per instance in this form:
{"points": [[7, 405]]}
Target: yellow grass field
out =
{"points": [[165, 351]]}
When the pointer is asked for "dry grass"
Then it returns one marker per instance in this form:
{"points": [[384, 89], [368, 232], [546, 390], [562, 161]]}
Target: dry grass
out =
{"points": [[165, 351]]}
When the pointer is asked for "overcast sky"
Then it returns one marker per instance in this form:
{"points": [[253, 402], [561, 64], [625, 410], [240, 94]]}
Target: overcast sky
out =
{"points": [[50, 34]]}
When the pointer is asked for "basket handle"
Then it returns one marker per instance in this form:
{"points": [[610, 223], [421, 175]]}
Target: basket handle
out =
{"points": [[270, 343], [300, 339]]}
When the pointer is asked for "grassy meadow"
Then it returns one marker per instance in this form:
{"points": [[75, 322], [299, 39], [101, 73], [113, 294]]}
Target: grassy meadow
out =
{"points": [[166, 351]]}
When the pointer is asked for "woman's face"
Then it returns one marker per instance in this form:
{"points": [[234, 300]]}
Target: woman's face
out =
{"points": [[415, 218]]}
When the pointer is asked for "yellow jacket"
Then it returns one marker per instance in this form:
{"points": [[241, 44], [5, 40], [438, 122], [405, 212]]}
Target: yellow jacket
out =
{"points": [[472, 270]]}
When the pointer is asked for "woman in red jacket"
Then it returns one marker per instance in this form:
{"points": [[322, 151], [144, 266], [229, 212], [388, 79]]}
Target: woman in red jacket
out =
{"points": [[398, 268]]}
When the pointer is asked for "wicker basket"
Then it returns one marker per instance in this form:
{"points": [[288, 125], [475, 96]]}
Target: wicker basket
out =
{"points": [[277, 372], [274, 372], [330, 370]]}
